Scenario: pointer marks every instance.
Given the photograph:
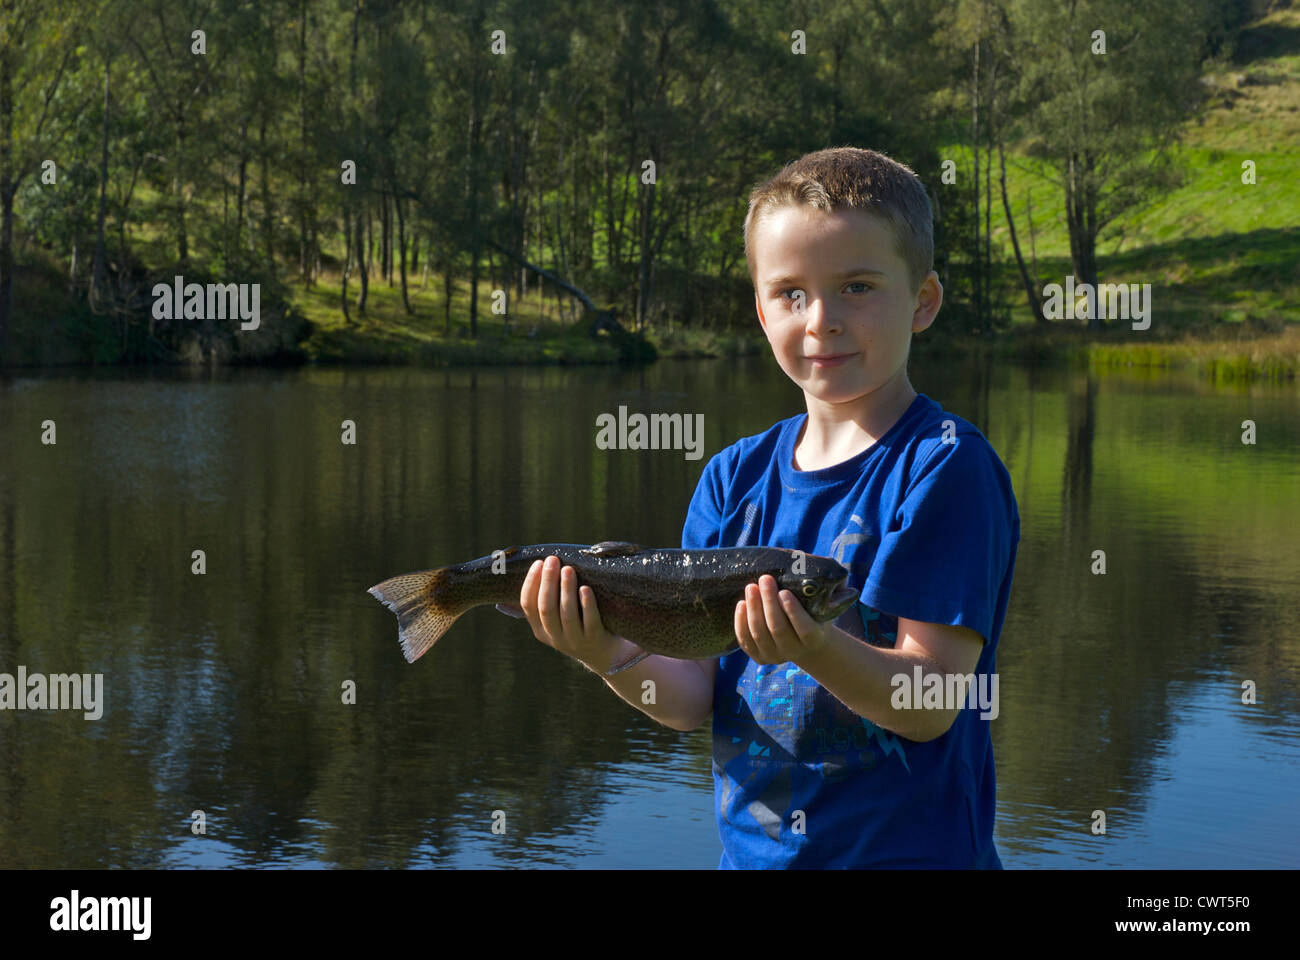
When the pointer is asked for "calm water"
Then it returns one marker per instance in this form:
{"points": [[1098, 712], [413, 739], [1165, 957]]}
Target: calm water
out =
{"points": [[223, 691]]}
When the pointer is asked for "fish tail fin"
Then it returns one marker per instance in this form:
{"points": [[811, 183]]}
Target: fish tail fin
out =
{"points": [[421, 618]]}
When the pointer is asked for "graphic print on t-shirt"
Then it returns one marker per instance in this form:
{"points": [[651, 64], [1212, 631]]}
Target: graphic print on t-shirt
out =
{"points": [[818, 732]]}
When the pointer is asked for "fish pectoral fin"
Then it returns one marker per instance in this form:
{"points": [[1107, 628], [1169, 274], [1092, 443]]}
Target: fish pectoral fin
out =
{"points": [[627, 664], [614, 548]]}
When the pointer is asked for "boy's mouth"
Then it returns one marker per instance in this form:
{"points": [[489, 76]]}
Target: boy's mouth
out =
{"points": [[830, 359]]}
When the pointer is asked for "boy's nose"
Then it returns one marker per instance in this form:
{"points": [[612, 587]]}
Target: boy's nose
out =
{"points": [[818, 319]]}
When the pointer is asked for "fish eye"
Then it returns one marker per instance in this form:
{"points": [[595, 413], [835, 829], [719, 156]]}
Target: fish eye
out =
{"points": [[809, 589]]}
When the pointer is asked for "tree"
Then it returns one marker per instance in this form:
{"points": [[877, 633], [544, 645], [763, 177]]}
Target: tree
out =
{"points": [[38, 49], [1105, 121]]}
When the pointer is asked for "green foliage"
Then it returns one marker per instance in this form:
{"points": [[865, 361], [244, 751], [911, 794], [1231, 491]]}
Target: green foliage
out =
{"points": [[1266, 357], [227, 165]]}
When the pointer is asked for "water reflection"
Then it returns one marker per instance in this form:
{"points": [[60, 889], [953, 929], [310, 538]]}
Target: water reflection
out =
{"points": [[1120, 692]]}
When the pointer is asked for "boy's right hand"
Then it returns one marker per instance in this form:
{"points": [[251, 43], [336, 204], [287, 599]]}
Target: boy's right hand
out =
{"points": [[565, 617]]}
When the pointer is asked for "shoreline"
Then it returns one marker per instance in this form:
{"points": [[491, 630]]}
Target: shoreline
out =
{"points": [[1264, 356]]}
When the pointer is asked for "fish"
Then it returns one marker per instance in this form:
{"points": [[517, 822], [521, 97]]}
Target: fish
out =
{"points": [[676, 603]]}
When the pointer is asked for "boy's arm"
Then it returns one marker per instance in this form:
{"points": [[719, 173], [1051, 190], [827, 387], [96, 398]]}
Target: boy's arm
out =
{"points": [[566, 617], [773, 627], [860, 676], [683, 689]]}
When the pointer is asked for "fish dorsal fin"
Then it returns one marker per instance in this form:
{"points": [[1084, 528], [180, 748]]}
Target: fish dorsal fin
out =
{"points": [[614, 548]]}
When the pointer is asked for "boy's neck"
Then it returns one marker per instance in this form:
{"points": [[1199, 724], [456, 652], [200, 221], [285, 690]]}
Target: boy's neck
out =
{"points": [[834, 432]]}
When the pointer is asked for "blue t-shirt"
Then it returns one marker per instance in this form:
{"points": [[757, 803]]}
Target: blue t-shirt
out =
{"points": [[928, 531]]}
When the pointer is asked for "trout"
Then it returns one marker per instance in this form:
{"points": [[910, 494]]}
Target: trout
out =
{"points": [[677, 603]]}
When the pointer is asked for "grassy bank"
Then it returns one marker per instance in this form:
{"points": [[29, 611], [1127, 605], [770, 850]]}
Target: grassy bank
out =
{"points": [[536, 330], [1247, 355], [1274, 358], [54, 327]]}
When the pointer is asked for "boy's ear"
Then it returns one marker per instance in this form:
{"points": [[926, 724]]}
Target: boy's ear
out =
{"points": [[928, 300], [759, 307]]}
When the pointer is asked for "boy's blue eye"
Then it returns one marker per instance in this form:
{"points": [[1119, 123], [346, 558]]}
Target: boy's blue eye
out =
{"points": [[791, 290]]}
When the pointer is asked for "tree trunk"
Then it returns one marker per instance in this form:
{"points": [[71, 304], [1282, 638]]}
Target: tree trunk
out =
{"points": [[242, 195], [178, 189], [8, 187], [446, 297], [225, 211], [473, 293], [1031, 292], [521, 245], [6, 252], [347, 260], [1080, 213], [362, 268], [304, 256], [988, 197], [98, 275], [401, 253], [354, 233], [415, 249], [474, 228], [975, 156], [475, 139], [268, 238], [123, 251], [1033, 247], [688, 293], [603, 319], [386, 238], [643, 268]]}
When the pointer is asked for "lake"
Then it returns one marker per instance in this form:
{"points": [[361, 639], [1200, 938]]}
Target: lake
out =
{"points": [[224, 692]]}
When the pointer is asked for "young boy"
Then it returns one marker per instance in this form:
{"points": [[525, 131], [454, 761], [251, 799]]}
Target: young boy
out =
{"points": [[814, 766]]}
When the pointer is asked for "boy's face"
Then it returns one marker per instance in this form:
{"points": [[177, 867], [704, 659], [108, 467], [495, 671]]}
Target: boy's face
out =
{"points": [[850, 335]]}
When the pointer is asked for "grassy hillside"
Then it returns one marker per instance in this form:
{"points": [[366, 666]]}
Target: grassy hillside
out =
{"points": [[1223, 257]]}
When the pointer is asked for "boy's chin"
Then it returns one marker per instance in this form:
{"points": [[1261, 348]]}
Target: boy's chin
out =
{"points": [[835, 397], [838, 393]]}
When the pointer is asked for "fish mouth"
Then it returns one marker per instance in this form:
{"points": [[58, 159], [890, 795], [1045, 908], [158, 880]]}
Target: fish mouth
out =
{"points": [[841, 599]]}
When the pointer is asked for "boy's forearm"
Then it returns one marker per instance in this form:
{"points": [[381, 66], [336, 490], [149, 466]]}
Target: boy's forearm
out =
{"points": [[859, 675], [681, 696]]}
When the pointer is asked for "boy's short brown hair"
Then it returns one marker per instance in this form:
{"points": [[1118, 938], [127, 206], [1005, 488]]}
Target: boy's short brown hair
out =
{"points": [[851, 178]]}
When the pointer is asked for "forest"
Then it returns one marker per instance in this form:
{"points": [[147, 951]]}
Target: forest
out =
{"points": [[499, 180]]}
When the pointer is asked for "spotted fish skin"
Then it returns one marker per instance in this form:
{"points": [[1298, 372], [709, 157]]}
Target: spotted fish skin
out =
{"points": [[677, 603]]}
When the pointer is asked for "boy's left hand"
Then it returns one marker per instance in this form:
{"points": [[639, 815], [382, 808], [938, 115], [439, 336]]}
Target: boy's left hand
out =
{"points": [[773, 627]]}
